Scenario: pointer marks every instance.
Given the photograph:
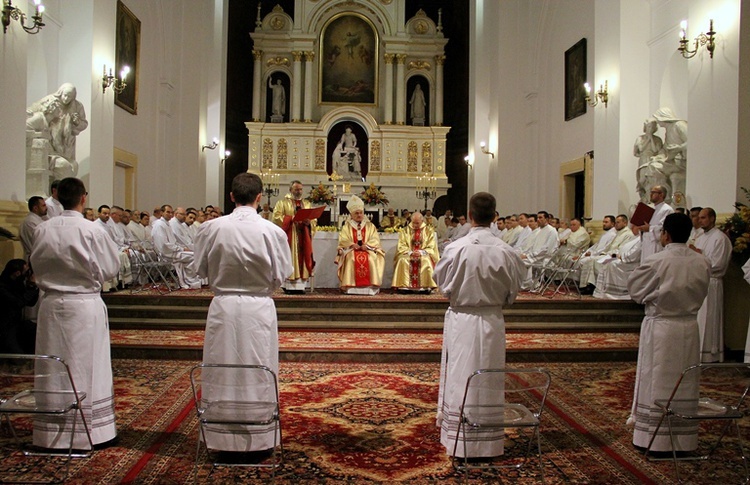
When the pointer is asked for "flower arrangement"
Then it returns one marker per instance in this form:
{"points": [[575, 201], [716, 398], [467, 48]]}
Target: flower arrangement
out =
{"points": [[327, 228], [737, 228], [321, 195], [373, 195]]}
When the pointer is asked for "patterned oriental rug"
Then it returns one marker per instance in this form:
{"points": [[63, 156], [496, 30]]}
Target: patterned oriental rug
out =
{"points": [[375, 423], [385, 341]]}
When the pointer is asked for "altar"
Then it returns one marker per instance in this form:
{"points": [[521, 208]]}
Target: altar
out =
{"points": [[325, 245]]}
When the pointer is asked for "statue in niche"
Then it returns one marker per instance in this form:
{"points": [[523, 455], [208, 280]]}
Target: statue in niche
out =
{"points": [[417, 103], [646, 146], [669, 165], [58, 118], [278, 105], [347, 161]]}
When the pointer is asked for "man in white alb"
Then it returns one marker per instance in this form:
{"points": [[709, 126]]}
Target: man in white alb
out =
{"points": [[590, 267], [180, 229], [650, 231], [246, 258], [539, 248], [37, 211], [695, 213], [524, 231], [612, 282], [54, 207], [714, 245], [597, 250], [672, 284], [121, 236], [479, 273], [576, 240], [182, 257], [72, 322]]}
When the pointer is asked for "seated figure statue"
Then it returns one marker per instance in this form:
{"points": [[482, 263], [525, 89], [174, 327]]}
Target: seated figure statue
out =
{"points": [[361, 259], [416, 256]]}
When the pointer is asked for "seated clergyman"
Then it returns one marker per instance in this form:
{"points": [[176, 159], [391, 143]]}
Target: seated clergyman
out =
{"points": [[416, 256], [360, 258], [391, 220]]}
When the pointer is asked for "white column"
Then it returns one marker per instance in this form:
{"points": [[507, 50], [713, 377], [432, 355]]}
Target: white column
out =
{"points": [[309, 72], [90, 25], [388, 114], [296, 86], [400, 90], [13, 80], [439, 61], [257, 56]]}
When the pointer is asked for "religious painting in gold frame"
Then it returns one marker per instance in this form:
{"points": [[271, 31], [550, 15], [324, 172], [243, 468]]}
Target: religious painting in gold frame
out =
{"points": [[127, 53], [348, 61]]}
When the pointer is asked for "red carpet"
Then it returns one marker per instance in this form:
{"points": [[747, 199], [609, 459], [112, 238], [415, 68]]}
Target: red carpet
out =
{"points": [[374, 423]]}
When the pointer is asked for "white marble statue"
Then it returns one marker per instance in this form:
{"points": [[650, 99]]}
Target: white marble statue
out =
{"points": [[58, 118], [647, 146], [417, 103], [347, 160], [278, 94]]}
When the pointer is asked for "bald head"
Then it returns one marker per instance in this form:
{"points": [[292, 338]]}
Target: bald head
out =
{"points": [[416, 219]]}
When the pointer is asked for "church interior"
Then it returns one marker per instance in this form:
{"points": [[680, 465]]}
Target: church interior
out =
{"points": [[430, 101]]}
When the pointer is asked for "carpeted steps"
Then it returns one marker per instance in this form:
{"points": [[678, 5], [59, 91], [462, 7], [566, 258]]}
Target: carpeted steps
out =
{"points": [[171, 326], [169, 313]]}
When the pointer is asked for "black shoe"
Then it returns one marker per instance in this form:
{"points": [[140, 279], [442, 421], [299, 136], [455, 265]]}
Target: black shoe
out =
{"points": [[107, 444], [589, 290]]}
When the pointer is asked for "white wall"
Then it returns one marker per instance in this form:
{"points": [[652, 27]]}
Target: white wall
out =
{"points": [[533, 136], [179, 92]]}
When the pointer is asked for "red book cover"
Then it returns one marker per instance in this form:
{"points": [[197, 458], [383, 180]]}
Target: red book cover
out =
{"points": [[314, 213], [642, 214]]}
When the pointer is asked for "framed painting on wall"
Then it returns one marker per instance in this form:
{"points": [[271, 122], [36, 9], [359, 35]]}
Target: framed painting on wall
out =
{"points": [[127, 51], [348, 61], [575, 76]]}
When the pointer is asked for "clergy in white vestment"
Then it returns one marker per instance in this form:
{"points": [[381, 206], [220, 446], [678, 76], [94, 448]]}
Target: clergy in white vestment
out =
{"points": [[245, 258], [167, 246], [600, 247], [443, 223], [141, 230], [714, 245], [180, 229], [72, 322], [540, 246], [672, 284], [120, 234], [590, 267], [461, 230], [36, 215], [479, 274], [523, 232], [576, 240], [650, 232], [54, 207], [746, 271], [511, 223], [696, 232], [612, 282]]}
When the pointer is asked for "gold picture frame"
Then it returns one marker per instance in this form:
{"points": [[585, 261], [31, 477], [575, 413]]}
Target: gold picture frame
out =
{"points": [[127, 53], [348, 61]]}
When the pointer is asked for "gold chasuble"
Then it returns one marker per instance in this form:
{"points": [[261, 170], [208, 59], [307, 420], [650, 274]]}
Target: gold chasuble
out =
{"points": [[299, 235], [415, 258], [360, 267]]}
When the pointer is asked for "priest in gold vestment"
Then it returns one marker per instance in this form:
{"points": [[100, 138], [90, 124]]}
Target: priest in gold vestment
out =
{"points": [[299, 235], [416, 256], [360, 258], [391, 219]]}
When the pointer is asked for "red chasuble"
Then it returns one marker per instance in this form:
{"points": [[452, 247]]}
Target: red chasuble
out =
{"points": [[361, 261]]}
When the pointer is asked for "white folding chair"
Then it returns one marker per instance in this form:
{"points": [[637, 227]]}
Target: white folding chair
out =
{"points": [[494, 401], [236, 399], [41, 385], [722, 391]]}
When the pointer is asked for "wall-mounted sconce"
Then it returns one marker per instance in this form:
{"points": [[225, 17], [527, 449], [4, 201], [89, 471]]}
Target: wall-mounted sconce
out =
{"points": [[468, 162], [483, 147], [706, 39], [109, 80], [601, 95], [14, 13], [211, 146], [226, 155]]}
